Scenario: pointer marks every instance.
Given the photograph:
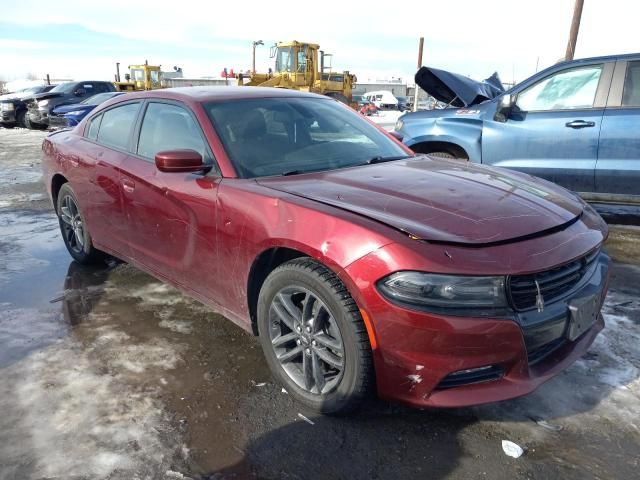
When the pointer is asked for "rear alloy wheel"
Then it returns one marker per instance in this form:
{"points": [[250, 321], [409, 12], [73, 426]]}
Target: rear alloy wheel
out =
{"points": [[313, 337], [74, 229]]}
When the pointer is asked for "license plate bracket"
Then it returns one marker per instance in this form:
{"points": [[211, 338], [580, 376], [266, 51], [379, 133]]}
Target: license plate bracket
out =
{"points": [[583, 313]]}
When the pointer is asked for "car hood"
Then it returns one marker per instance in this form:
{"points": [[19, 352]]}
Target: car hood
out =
{"points": [[43, 96], [440, 200], [457, 90], [72, 107]]}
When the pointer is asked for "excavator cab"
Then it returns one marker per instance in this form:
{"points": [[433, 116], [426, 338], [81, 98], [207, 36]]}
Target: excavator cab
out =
{"points": [[141, 77], [145, 77], [301, 66]]}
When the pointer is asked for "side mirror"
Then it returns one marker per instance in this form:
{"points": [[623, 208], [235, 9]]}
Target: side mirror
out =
{"points": [[505, 106], [79, 92], [176, 161]]}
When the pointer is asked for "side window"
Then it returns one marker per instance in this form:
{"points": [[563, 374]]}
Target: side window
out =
{"points": [[169, 127], [117, 124], [88, 89], [99, 87], [631, 92], [94, 126], [566, 90]]}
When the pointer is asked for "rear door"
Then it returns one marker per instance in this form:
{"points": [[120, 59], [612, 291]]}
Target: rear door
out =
{"points": [[618, 166], [171, 217], [105, 146], [553, 132]]}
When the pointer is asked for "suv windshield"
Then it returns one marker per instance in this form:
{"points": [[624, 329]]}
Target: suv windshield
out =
{"points": [[276, 136], [64, 87], [97, 99]]}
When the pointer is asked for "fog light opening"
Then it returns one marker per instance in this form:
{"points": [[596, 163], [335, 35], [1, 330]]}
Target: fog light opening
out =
{"points": [[469, 376]]}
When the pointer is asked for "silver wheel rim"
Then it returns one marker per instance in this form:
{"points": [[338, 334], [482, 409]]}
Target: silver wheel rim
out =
{"points": [[72, 226], [306, 340]]}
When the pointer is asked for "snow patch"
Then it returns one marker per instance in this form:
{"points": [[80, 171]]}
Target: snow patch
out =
{"points": [[177, 326]]}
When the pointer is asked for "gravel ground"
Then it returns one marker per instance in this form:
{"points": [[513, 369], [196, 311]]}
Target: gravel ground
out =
{"points": [[108, 374]]}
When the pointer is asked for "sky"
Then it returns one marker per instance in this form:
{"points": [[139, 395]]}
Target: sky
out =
{"points": [[375, 40]]}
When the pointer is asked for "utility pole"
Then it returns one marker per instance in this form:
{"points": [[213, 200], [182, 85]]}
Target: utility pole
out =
{"points": [[415, 94], [255, 44], [575, 26]]}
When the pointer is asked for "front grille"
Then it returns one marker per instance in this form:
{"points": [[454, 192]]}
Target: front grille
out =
{"points": [[553, 283], [474, 375]]}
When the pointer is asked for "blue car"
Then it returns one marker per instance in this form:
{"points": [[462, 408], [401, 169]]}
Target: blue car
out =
{"points": [[72, 115], [575, 124]]}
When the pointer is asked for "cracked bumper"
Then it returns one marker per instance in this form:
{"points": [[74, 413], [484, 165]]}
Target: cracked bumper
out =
{"points": [[417, 352], [38, 116]]}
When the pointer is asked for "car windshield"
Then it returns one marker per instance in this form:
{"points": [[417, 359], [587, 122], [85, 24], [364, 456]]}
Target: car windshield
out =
{"points": [[97, 99], [64, 87], [277, 136]]}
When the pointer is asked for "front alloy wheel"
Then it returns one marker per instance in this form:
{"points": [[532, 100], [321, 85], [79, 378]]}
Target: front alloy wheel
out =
{"points": [[313, 337], [306, 340]]}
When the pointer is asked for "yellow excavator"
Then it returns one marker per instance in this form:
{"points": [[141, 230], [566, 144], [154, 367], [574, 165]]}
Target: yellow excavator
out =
{"points": [[301, 66], [140, 77]]}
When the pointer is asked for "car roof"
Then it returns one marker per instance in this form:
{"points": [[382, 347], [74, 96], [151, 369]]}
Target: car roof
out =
{"points": [[604, 58], [204, 94]]}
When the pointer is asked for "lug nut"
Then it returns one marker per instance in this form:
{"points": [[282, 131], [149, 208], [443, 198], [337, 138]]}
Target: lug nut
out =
{"points": [[298, 341], [299, 328], [308, 351], [308, 329], [314, 343]]}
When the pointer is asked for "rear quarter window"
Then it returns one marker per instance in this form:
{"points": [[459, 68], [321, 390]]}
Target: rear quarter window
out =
{"points": [[93, 127], [116, 125]]}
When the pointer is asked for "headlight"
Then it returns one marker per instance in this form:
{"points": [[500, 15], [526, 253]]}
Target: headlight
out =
{"points": [[7, 107], [399, 125], [75, 112], [454, 295], [43, 103]]}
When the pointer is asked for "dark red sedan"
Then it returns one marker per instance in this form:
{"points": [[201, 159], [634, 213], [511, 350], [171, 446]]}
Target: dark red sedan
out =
{"points": [[358, 264]]}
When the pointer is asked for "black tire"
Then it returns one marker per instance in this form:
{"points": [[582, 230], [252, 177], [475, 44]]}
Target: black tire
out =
{"points": [[355, 380], [33, 125], [443, 155], [77, 240], [21, 119]]}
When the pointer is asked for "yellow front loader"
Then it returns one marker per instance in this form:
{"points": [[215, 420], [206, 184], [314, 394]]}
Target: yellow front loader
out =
{"points": [[301, 66], [140, 77]]}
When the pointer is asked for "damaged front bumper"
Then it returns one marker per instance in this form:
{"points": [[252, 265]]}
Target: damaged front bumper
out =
{"points": [[38, 115], [430, 360]]}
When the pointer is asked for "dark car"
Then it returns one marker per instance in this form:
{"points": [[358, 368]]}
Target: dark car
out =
{"points": [[357, 263], [71, 115], [405, 104], [574, 123], [41, 106], [13, 109]]}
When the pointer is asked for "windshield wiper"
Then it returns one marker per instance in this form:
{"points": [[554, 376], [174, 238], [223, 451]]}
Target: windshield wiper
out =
{"points": [[380, 159]]}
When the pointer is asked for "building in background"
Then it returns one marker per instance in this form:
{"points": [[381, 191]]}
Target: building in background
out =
{"points": [[396, 86]]}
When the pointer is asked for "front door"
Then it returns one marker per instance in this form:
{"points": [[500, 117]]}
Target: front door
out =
{"points": [[618, 166], [553, 130], [171, 216]]}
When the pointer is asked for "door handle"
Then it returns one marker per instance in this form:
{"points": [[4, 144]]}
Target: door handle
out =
{"points": [[128, 185], [580, 124]]}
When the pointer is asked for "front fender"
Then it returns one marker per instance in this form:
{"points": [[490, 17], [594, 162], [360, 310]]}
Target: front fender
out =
{"points": [[464, 132]]}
